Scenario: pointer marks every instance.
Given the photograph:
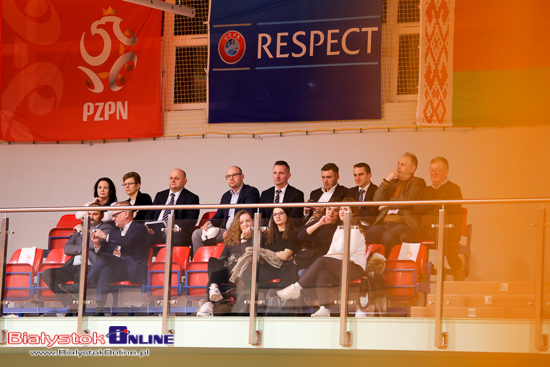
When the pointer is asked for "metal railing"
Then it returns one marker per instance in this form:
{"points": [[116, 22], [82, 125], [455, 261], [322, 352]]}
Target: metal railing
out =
{"points": [[255, 335]]}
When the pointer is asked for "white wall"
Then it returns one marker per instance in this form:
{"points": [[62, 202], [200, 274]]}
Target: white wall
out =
{"points": [[486, 163]]}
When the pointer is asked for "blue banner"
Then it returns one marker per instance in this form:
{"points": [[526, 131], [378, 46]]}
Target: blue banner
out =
{"points": [[294, 60]]}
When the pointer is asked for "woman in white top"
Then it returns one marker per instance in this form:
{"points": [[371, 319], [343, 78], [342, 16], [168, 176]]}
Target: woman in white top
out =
{"points": [[327, 270], [104, 195]]}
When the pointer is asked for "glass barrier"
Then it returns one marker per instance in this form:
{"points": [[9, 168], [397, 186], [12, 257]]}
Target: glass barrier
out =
{"points": [[491, 267]]}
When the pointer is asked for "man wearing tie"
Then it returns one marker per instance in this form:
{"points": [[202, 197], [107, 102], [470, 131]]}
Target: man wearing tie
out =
{"points": [[364, 191], [282, 192], [177, 194]]}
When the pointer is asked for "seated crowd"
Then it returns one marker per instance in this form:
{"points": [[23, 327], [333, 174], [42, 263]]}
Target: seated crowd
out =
{"points": [[300, 247]]}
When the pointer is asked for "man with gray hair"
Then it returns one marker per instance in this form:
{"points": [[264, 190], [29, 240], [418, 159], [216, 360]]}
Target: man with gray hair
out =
{"points": [[440, 189], [122, 254], [399, 185]]}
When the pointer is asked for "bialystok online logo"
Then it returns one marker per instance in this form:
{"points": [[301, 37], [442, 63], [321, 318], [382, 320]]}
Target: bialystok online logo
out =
{"points": [[118, 335]]}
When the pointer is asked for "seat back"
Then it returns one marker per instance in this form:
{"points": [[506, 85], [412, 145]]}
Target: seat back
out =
{"points": [[18, 282], [58, 237], [196, 280], [421, 258], [68, 221], [180, 254], [57, 256], [155, 280], [206, 252], [38, 257], [402, 277]]}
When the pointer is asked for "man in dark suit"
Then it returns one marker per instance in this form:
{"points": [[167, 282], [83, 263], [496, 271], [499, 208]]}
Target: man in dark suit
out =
{"points": [[55, 278], [282, 192], [177, 194], [392, 221], [330, 192], [364, 191], [121, 255], [239, 193]]}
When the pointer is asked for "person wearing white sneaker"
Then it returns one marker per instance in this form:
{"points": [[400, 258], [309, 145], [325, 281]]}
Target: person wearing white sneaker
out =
{"points": [[321, 312], [237, 239], [327, 270], [206, 310]]}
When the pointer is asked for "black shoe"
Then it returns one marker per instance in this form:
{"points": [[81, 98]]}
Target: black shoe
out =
{"points": [[71, 289], [71, 314]]}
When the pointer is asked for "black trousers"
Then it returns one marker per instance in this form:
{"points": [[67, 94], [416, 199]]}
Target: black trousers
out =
{"points": [[326, 272], [54, 276]]}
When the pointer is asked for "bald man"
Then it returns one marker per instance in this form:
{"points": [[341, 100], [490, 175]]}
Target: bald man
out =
{"points": [[177, 194], [239, 193]]}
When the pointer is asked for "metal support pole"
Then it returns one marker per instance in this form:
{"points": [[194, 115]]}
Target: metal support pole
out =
{"points": [[82, 329], [345, 335], [167, 274], [3, 256], [440, 337], [541, 340], [254, 335]]}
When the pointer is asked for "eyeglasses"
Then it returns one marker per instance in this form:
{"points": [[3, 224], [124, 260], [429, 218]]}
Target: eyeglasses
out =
{"points": [[233, 175], [278, 214], [128, 184], [116, 214]]}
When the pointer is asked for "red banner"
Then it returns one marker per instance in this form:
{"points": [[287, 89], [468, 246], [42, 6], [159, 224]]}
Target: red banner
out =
{"points": [[79, 70]]}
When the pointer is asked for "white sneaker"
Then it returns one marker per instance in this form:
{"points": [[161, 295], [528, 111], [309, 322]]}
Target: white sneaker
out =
{"points": [[290, 292], [321, 312], [206, 310], [215, 294]]}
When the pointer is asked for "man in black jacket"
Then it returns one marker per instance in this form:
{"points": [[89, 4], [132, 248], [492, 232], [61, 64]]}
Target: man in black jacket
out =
{"points": [[177, 194], [282, 192], [364, 191], [239, 193]]}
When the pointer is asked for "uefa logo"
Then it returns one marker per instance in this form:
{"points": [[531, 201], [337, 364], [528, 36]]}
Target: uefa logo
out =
{"points": [[231, 47]]}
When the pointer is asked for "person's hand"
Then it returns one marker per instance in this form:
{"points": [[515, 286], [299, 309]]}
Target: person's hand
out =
{"points": [[325, 219], [95, 240], [206, 226], [95, 201], [393, 174], [99, 234], [247, 234]]}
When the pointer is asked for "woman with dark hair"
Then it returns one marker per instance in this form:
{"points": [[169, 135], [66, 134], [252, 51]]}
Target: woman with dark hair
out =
{"points": [[327, 270], [104, 194], [282, 239], [237, 238]]}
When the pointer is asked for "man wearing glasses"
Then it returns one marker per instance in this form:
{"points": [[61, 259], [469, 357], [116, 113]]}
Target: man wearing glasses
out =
{"points": [[239, 193], [440, 189], [122, 254]]}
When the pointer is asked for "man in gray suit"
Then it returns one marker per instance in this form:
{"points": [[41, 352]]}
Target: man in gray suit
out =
{"points": [[55, 278]]}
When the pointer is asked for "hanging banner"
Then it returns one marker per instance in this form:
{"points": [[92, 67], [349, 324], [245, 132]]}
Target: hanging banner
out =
{"points": [[294, 60], [79, 71], [484, 64]]}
